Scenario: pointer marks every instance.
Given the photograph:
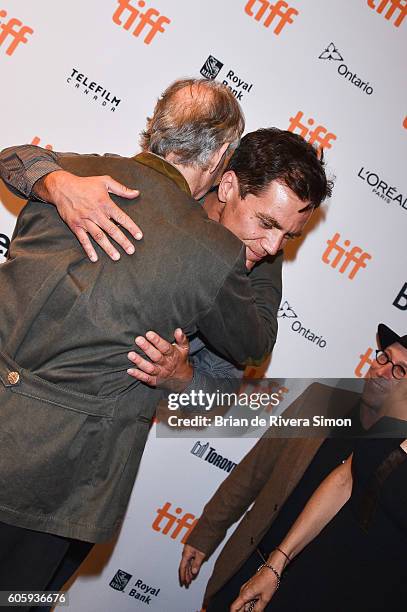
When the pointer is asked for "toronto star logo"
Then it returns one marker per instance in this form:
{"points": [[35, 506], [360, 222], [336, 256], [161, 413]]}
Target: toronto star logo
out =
{"points": [[238, 84], [287, 312], [209, 454], [211, 68], [120, 580], [331, 52]]}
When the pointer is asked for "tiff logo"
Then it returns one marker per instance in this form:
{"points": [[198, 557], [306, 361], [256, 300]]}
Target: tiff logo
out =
{"points": [[151, 19], [169, 524], [355, 256], [364, 364], [393, 5], [279, 10], [15, 29], [36, 141], [319, 134]]}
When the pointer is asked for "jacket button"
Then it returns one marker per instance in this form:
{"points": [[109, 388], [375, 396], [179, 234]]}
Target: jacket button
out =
{"points": [[13, 378]]}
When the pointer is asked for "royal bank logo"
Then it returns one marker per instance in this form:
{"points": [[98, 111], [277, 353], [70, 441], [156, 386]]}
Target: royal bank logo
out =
{"points": [[211, 68], [332, 53], [238, 84], [120, 580], [209, 454], [383, 189], [95, 92], [4, 245], [286, 311]]}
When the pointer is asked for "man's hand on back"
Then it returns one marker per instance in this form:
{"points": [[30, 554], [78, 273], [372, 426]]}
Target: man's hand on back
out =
{"points": [[87, 209], [167, 366]]}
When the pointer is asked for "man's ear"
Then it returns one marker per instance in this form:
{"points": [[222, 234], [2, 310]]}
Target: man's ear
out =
{"points": [[228, 184], [218, 158]]}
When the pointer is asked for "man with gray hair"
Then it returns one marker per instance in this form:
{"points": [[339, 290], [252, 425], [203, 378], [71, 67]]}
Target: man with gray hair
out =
{"points": [[73, 425]]}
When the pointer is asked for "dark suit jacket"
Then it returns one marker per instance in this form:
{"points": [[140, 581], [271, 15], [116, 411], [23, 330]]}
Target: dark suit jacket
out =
{"points": [[267, 475], [73, 424]]}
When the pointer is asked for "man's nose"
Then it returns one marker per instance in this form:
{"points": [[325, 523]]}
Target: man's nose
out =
{"points": [[384, 371], [273, 243]]}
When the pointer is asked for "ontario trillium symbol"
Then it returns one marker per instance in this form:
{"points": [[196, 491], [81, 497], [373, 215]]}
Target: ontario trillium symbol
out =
{"points": [[285, 311], [331, 53]]}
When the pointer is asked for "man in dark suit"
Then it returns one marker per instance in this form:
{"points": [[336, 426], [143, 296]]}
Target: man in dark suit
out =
{"points": [[279, 475], [73, 425]]}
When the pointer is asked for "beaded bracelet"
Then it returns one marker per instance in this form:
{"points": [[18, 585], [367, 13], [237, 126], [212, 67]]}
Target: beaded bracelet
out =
{"points": [[275, 572]]}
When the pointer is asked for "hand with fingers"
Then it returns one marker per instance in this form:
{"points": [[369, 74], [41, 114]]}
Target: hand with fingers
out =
{"points": [[167, 366], [191, 562], [88, 210], [256, 593]]}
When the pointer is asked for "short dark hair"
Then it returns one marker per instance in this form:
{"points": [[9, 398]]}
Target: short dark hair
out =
{"points": [[271, 154]]}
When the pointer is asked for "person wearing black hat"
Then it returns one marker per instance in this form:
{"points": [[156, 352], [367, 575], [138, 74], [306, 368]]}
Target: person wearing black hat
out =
{"points": [[352, 532], [279, 476]]}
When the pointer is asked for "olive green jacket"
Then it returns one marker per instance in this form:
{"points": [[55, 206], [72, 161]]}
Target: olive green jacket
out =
{"points": [[73, 424]]}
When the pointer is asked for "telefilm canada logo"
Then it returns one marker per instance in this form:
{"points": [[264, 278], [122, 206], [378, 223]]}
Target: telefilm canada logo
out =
{"points": [[287, 312], [4, 245], [383, 188], [208, 453], [139, 590], [95, 92], [238, 84], [332, 54]]}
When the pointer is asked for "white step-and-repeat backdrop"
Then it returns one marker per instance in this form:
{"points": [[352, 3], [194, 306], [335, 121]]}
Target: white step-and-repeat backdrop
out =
{"points": [[83, 76]]}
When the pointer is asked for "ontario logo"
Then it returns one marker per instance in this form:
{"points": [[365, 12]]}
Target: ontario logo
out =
{"points": [[238, 84], [95, 92], [383, 189], [332, 53], [287, 312]]}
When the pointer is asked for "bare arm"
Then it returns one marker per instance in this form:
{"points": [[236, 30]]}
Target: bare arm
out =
{"points": [[323, 505], [82, 202]]}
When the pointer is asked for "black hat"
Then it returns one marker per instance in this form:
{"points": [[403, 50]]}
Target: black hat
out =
{"points": [[387, 336]]}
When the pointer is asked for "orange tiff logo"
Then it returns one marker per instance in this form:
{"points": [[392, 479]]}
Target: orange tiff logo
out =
{"points": [[15, 30], [279, 10], [36, 141], [173, 524], [150, 19], [364, 364], [319, 134], [355, 256], [393, 6]]}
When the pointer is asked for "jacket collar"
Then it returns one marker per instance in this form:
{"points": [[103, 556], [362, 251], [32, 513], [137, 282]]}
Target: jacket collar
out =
{"points": [[163, 167]]}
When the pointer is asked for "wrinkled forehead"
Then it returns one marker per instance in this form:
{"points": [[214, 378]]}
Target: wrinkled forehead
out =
{"points": [[398, 353]]}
